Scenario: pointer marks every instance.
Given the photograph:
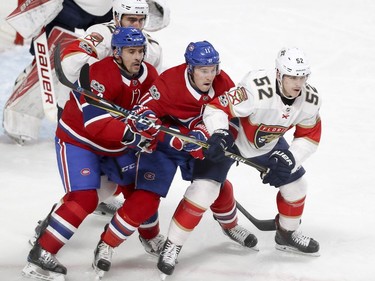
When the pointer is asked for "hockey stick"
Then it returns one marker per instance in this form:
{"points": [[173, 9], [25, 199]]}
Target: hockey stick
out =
{"points": [[118, 110], [111, 107], [263, 225]]}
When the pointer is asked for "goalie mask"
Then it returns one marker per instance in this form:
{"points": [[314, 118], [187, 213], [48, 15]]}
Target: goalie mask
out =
{"points": [[201, 54]]}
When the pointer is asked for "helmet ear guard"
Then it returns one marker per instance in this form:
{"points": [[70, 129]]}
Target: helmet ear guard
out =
{"points": [[201, 53]]}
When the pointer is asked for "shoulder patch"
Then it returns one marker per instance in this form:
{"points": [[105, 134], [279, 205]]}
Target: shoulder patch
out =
{"points": [[95, 85], [223, 100], [95, 38], [237, 95], [85, 47], [155, 94]]}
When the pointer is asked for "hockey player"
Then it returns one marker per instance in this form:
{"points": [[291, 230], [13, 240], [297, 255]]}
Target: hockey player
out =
{"points": [[178, 96], [23, 111], [90, 142], [268, 104]]}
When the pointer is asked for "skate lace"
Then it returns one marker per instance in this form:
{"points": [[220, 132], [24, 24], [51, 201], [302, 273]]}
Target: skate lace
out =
{"points": [[156, 243], [104, 252], [48, 259], [170, 253], [238, 233], [300, 239]]}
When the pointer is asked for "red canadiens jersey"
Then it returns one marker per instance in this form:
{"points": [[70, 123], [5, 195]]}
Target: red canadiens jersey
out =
{"points": [[93, 128], [172, 95]]}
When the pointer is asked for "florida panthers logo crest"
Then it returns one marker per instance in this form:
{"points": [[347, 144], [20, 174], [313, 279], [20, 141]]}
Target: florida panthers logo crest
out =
{"points": [[266, 134]]}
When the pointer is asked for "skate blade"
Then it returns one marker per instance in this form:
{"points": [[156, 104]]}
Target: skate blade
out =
{"points": [[35, 272], [163, 276], [255, 248], [293, 250], [97, 273]]}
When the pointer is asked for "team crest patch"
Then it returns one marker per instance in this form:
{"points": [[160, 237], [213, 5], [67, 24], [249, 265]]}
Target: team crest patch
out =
{"points": [[95, 38], [85, 172], [149, 176], [97, 86], [237, 95], [266, 134]]}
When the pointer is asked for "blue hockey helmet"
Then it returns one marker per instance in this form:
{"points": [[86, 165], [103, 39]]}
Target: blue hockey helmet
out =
{"points": [[127, 37], [201, 53]]}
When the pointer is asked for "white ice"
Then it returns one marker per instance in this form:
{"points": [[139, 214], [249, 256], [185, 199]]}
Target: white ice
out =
{"points": [[338, 37]]}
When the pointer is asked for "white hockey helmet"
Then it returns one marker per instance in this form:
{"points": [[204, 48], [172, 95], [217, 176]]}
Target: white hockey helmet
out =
{"points": [[129, 7], [293, 62]]}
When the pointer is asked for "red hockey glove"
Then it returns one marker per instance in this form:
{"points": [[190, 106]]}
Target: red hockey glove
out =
{"points": [[148, 130], [200, 133], [280, 164]]}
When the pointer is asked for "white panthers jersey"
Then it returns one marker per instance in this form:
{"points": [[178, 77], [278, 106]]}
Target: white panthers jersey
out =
{"points": [[264, 117]]}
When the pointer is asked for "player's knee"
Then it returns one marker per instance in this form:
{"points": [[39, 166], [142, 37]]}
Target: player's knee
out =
{"points": [[140, 206], [295, 190], [87, 200], [203, 192]]}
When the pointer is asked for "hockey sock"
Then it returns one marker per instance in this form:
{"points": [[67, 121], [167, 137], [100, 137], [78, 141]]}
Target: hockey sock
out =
{"points": [[150, 228], [140, 206], [289, 212], [186, 217], [67, 218], [224, 207]]}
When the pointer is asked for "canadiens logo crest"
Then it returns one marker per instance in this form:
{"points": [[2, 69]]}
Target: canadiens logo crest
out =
{"points": [[237, 95], [149, 176], [85, 172], [266, 134]]}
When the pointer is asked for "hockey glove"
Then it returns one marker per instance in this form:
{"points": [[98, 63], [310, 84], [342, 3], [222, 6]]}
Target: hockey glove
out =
{"points": [[220, 141], [200, 133], [146, 129], [138, 142], [280, 164]]}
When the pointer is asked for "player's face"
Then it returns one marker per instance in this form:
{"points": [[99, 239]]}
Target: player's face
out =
{"points": [[292, 85], [132, 58], [137, 21], [204, 76]]}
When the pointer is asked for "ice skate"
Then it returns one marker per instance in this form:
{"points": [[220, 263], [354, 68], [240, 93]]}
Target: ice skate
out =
{"points": [[295, 242], [242, 236], [102, 259], [168, 258], [41, 227], [153, 246], [43, 265], [110, 208]]}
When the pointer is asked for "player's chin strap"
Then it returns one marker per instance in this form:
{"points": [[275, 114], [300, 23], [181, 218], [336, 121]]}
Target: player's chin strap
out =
{"points": [[109, 106]]}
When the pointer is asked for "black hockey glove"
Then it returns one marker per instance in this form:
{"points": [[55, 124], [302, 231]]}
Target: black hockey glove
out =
{"points": [[219, 141], [280, 164]]}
